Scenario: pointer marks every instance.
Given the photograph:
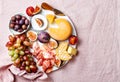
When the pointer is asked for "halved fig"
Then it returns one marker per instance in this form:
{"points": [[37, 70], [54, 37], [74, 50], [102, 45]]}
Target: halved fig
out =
{"points": [[52, 44]]}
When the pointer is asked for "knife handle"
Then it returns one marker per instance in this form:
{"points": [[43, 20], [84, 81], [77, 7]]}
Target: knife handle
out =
{"points": [[46, 6]]}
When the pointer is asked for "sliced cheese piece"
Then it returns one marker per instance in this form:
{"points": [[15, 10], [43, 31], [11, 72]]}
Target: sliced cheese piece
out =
{"points": [[63, 55], [61, 51]]}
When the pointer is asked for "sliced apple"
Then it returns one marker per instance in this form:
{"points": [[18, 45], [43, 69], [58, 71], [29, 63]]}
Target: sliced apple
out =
{"points": [[62, 31]]}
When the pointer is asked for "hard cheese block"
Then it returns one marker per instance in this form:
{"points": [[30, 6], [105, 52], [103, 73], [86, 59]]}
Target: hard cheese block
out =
{"points": [[61, 51], [72, 51]]}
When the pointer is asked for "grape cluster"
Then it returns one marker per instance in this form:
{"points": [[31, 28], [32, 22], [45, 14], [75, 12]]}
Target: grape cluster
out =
{"points": [[18, 49], [19, 23]]}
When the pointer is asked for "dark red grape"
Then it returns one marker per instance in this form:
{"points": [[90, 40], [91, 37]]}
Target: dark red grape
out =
{"points": [[9, 44], [17, 36], [31, 59], [22, 37], [22, 68], [25, 58], [27, 51], [18, 65], [32, 63], [17, 61], [27, 63], [12, 38], [21, 59], [33, 68], [23, 63]]}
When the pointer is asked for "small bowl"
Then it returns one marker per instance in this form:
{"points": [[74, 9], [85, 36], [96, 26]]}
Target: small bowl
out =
{"points": [[15, 32], [34, 24]]}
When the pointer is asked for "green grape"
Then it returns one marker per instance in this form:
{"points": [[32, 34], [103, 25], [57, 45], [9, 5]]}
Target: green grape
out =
{"points": [[11, 53], [21, 53], [31, 59], [16, 45], [20, 48], [16, 56], [18, 41], [17, 61], [28, 55], [16, 51], [11, 48], [27, 69], [13, 58]]}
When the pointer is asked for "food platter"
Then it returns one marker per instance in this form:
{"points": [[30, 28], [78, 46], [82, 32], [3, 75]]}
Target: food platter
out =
{"points": [[46, 44]]}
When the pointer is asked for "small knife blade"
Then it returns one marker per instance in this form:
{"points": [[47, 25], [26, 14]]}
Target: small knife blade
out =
{"points": [[46, 6]]}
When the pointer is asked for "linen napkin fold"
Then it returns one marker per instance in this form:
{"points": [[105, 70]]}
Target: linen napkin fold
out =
{"points": [[39, 75], [7, 73]]}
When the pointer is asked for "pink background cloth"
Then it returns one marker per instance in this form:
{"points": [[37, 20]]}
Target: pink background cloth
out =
{"points": [[98, 26]]}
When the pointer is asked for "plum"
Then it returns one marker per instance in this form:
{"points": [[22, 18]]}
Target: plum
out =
{"points": [[43, 37]]}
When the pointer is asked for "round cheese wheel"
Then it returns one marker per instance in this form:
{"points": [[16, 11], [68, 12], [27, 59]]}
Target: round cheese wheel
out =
{"points": [[62, 31]]}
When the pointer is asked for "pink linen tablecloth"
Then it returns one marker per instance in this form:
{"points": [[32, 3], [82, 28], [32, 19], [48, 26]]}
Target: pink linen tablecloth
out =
{"points": [[98, 26]]}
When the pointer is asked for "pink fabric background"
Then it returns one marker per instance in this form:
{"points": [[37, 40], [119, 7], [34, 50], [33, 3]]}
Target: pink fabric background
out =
{"points": [[98, 26]]}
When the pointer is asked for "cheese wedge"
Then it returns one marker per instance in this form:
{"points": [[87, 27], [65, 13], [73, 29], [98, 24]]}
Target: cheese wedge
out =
{"points": [[50, 18], [72, 51]]}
